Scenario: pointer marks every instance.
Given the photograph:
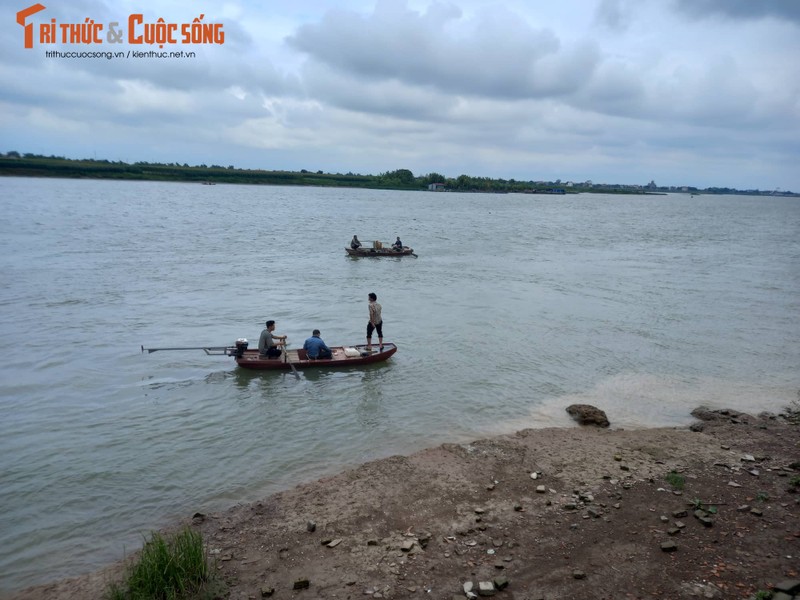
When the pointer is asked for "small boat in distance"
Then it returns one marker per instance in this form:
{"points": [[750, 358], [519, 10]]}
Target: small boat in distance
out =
{"points": [[343, 356], [378, 249]]}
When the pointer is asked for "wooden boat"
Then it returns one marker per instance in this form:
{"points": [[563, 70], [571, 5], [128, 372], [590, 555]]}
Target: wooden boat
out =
{"points": [[380, 251], [343, 356]]}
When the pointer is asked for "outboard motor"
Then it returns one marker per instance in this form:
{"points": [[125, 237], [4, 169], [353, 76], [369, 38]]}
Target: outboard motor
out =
{"points": [[241, 346]]}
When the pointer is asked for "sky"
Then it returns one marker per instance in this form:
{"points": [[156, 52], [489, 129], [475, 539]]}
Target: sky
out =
{"points": [[702, 93]]}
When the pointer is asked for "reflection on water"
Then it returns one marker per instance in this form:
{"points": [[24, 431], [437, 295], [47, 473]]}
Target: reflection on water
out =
{"points": [[646, 306]]}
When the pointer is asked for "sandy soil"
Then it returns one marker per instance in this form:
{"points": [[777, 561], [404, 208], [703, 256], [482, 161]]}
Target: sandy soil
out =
{"points": [[423, 526]]}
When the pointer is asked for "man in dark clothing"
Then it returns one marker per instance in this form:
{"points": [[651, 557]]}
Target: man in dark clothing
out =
{"points": [[315, 348]]}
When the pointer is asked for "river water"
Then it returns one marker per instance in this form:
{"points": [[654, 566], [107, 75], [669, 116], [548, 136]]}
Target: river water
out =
{"points": [[516, 306]]}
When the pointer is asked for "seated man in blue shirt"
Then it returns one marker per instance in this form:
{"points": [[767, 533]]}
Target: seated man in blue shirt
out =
{"points": [[315, 348]]}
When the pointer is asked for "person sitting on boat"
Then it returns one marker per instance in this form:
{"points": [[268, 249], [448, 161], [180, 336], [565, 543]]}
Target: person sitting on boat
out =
{"points": [[315, 348], [398, 245], [354, 243], [269, 344]]}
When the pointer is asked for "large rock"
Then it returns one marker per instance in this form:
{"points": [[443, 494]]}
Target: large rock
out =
{"points": [[586, 414]]}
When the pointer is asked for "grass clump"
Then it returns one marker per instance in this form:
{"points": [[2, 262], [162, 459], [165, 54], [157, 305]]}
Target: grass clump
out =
{"points": [[676, 480], [168, 568]]}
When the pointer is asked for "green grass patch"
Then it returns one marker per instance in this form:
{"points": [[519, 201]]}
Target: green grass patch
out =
{"points": [[168, 568], [676, 480]]}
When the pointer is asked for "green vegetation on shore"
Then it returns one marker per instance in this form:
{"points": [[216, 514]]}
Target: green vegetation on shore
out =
{"points": [[167, 569], [31, 165]]}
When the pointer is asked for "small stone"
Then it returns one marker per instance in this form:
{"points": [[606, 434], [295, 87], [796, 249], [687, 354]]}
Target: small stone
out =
{"points": [[680, 524], [748, 458], [789, 586], [617, 458], [407, 545], [578, 574], [757, 512], [534, 475], [480, 511], [669, 546], [734, 484], [673, 531], [540, 489], [500, 583], [680, 514], [743, 508], [569, 506], [664, 519], [518, 507], [266, 591], [334, 543], [754, 472], [486, 588], [725, 447], [625, 467], [311, 526], [301, 584], [468, 585]]}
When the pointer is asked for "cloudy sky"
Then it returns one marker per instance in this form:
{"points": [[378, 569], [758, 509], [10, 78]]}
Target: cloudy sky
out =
{"points": [[683, 92]]}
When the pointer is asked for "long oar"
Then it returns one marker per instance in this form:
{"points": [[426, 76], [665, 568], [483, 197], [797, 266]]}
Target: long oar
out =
{"points": [[286, 358]]}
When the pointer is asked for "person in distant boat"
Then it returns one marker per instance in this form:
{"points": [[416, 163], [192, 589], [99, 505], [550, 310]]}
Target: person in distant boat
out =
{"points": [[375, 321], [269, 344], [354, 243], [315, 348], [398, 245]]}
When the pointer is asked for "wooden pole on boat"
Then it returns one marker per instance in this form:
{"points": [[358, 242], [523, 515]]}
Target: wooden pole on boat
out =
{"points": [[206, 348]]}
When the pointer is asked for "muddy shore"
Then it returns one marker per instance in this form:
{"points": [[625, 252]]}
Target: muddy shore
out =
{"points": [[710, 511]]}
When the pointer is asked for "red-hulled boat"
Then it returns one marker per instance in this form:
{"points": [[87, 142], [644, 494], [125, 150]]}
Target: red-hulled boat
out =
{"points": [[343, 356]]}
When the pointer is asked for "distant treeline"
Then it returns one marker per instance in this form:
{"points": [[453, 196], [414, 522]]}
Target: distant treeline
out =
{"points": [[33, 165]]}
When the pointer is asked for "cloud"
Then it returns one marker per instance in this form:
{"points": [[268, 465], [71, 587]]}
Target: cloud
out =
{"points": [[575, 89], [494, 54], [742, 9]]}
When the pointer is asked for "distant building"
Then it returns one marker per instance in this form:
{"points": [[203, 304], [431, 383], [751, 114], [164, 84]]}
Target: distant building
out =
{"points": [[436, 187]]}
